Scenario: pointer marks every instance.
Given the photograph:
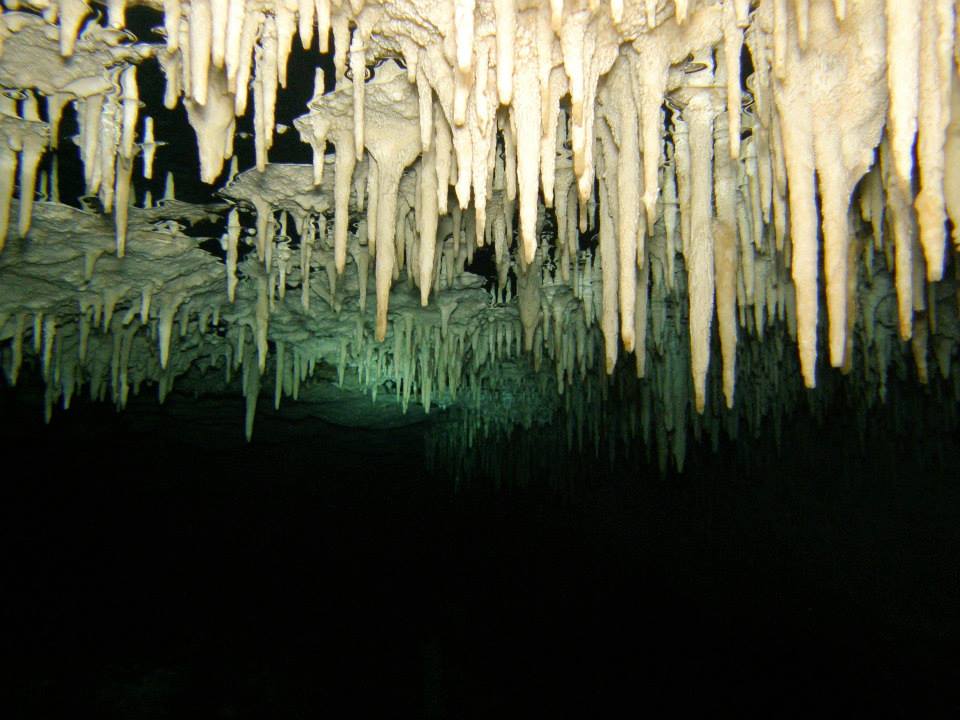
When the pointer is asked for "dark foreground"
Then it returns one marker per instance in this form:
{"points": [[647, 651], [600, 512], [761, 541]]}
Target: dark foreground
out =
{"points": [[154, 567]]}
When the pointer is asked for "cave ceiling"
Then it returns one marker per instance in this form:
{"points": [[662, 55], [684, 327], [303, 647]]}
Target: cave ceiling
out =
{"points": [[636, 216]]}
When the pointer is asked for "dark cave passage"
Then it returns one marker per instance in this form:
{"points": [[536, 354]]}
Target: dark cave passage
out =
{"points": [[152, 570]]}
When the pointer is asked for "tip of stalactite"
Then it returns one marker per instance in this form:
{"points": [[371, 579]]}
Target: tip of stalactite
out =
{"points": [[529, 251], [23, 228]]}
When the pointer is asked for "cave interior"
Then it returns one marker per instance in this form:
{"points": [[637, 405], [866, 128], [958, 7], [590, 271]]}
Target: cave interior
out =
{"points": [[470, 358]]}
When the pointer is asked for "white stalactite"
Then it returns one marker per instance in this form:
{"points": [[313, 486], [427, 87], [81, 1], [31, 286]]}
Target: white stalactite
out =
{"points": [[526, 121], [699, 113], [213, 124], [122, 204], [131, 109], [629, 187], [609, 322], [903, 43], [732, 46], [8, 170], [201, 36], [358, 70], [936, 73], [463, 22], [236, 19], [233, 238], [116, 14], [72, 14], [506, 28], [951, 151], [219, 19], [149, 147], [31, 153], [428, 223], [323, 24], [285, 12], [343, 170]]}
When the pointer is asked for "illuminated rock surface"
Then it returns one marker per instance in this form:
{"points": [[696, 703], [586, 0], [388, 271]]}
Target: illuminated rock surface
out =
{"points": [[632, 170]]}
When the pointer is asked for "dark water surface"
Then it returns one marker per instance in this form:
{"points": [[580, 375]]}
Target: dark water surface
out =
{"points": [[155, 567]]}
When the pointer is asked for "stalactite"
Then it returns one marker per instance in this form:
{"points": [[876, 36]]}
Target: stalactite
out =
{"points": [[700, 106]]}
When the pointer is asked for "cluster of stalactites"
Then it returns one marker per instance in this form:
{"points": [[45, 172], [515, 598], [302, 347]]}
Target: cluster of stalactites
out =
{"points": [[736, 176], [23, 137], [539, 350], [89, 66], [557, 319], [498, 90]]}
